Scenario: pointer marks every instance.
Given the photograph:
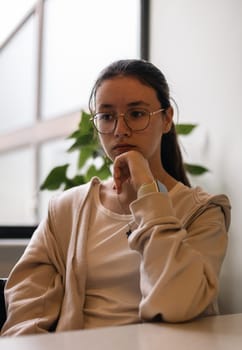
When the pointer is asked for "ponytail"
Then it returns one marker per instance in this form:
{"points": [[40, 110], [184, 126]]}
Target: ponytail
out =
{"points": [[171, 156]]}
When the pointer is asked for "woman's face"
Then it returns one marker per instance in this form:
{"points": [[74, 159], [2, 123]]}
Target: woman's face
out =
{"points": [[119, 94]]}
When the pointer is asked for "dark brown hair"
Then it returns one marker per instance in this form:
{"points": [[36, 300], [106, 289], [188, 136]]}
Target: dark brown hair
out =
{"points": [[150, 75]]}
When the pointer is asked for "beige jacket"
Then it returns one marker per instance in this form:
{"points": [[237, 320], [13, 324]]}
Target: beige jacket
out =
{"points": [[182, 238]]}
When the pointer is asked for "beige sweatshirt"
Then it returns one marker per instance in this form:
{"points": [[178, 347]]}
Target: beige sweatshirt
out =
{"points": [[182, 239]]}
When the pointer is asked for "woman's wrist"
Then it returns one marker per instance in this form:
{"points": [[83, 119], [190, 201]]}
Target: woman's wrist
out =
{"points": [[153, 186]]}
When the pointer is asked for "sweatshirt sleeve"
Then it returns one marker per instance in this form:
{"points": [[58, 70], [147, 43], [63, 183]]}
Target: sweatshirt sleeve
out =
{"points": [[34, 288], [180, 266]]}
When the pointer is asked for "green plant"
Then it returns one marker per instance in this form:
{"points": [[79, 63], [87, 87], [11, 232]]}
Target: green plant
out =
{"points": [[193, 169], [87, 144]]}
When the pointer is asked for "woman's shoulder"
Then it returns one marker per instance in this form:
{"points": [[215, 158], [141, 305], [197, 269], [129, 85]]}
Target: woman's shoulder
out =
{"points": [[194, 199], [196, 194], [73, 197]]}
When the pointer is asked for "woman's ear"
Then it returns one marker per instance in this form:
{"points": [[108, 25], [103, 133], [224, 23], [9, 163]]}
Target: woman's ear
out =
{"points": [[167, 121]]}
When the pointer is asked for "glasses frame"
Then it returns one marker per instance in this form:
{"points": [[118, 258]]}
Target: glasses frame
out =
{"points": [[150, 114]]}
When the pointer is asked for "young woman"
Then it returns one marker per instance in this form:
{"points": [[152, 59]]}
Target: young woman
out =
{"points": [[142, 246]]}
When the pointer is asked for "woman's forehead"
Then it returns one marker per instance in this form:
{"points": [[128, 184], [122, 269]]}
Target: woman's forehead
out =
{"points": [[122, 88]]}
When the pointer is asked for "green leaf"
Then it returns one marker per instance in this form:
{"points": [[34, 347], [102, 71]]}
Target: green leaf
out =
{"points": [[55, 178], [195, 169], [85, 153], [85, 124], [92, 171], [75, 181], [103, 173], [85, 127], [83, 140], [84, 135], [185, 129], [75, 135]]}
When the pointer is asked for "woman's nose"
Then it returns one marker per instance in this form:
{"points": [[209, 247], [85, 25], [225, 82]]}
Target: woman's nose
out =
{"points": [[121, 126]]}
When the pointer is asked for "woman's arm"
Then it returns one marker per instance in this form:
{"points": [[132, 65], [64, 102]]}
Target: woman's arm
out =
{"points": [[180, 267], [34, 288]]}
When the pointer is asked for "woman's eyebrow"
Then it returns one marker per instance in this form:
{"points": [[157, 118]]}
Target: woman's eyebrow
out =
{"points": [[106, 105], [137, 103], [130, 104]]}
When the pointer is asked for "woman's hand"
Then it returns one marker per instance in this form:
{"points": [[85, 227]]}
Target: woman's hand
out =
{"points": [[131, 166]]}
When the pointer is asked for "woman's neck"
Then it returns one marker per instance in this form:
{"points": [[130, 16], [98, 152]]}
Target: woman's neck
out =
{"points": [[111, 200]]}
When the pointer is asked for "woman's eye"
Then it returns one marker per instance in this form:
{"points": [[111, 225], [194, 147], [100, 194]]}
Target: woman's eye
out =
{"points": [[135, 114], [105, 117]]}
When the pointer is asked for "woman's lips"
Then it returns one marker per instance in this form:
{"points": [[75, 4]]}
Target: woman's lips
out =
{"points": [[121, 148]]}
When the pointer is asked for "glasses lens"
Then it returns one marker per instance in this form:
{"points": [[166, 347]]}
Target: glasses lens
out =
{"points": [[104, 122], [137, 119]]}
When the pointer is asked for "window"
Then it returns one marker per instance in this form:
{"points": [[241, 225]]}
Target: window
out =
{"points": [[17, 70], [48, 63]]}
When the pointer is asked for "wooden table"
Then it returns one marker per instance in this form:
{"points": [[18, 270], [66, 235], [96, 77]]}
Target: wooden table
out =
{"points": [[211, 333]]}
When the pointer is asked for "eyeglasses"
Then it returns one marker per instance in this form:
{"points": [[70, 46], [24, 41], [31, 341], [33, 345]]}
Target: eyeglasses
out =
{"points": [[136, 119]]}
